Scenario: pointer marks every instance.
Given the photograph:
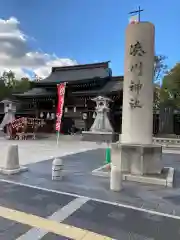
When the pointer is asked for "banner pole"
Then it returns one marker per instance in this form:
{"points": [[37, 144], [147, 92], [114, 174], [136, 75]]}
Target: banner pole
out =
{"points": [[57, 138]]}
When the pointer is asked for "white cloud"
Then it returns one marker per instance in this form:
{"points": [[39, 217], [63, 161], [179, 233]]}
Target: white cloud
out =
{"points": [[16, 55]]}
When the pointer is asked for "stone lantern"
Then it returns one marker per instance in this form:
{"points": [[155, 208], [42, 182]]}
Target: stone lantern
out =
{"points": [[101, 130], [9, 105], [9, 110]]}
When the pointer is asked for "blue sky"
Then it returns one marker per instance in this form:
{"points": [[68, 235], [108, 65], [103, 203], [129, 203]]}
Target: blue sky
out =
{"points": [[93, 30]]}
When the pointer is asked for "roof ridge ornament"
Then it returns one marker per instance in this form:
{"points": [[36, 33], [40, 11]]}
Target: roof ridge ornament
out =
{"points": [[81, 66]]}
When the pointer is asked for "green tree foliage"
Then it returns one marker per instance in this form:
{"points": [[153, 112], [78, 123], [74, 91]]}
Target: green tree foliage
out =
{"points": [[9, 85], [157, 91], [22, 85], [8, 78], [4, 91], [170, 90], [160, 69]]}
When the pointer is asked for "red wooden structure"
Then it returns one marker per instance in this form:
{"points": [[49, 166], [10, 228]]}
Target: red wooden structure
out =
{"points": [[22, 128]]}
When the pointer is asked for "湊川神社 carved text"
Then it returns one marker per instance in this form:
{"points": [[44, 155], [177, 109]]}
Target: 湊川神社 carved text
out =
{"points": [[135, 87], [137, 68], [136, 50], [135, 103]]}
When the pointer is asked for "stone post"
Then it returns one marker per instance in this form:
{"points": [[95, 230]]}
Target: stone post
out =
{"points": [[57, 169], [137, 117], [12, 162]]}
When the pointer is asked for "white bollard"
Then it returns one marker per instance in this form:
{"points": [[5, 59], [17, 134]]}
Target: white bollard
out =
{"points": [[57, 167], [12, 161], [115, 179]]}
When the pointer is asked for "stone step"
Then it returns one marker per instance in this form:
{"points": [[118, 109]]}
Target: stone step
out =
{"points": [[166, 141]]}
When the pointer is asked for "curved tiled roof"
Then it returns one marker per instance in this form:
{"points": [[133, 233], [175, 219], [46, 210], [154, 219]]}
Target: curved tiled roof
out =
{"points": [[35, 92], [77, 73], [114, 85]]}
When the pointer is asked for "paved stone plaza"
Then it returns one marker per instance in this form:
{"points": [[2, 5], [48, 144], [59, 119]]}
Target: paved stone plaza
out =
{"points": [[32, 151], [82, 200]]}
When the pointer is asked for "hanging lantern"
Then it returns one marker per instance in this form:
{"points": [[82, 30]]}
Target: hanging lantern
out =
{"points": [[41, 115], [84, 116], [74, 109], [65, 109], [52, 116], [48, 116]]}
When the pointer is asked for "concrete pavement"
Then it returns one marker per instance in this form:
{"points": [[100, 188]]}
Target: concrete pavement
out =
{"points": [[34, 207], [29, 213], [32, 151]]}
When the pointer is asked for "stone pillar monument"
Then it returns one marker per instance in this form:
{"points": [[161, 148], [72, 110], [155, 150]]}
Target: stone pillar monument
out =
{"points": [[137, 118], [135, 157], [138, 156]]}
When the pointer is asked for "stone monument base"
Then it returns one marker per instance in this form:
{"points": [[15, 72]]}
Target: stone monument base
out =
{"points": [[165, 178], [137, 159], [99, 136], [139, 163], [13, 171]]}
